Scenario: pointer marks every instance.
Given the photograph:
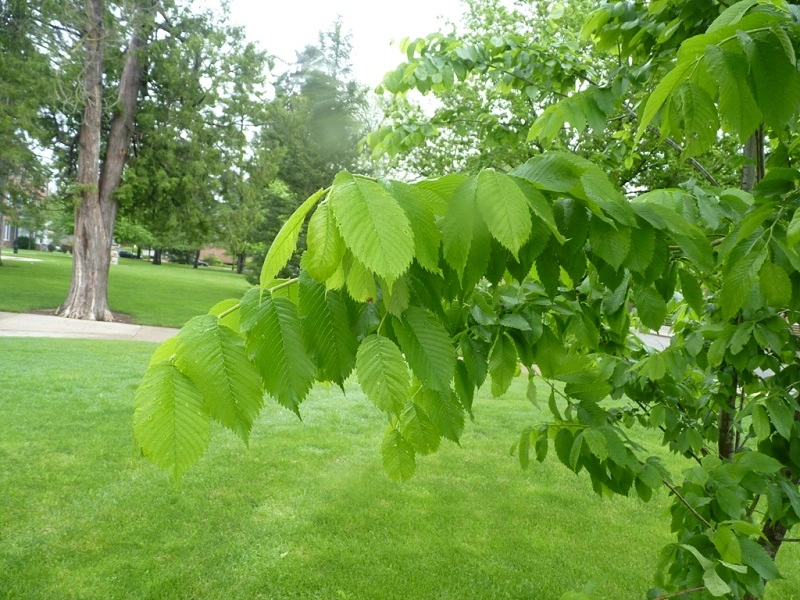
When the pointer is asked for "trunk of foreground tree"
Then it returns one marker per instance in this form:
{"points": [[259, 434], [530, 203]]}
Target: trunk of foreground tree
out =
{"points": [[240, 264], [157, 256], [95, 215], [196, 259]]}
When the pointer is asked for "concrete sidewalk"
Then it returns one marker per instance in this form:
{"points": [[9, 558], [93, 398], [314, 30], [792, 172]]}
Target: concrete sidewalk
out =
{"points": [[30, 325]]}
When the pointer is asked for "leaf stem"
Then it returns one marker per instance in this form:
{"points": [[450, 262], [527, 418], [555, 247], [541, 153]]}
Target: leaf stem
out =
{"points": [[228, 311], [284, 284], [681, 593]]}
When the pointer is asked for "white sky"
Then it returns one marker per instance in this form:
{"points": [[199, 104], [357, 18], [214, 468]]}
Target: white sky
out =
{"points": [[286, 26]]}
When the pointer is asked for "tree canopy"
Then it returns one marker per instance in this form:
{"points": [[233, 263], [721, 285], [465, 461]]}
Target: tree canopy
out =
{"points": [[551, 267]]}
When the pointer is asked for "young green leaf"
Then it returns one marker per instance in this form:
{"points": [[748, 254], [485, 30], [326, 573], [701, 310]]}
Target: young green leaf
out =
{"points": [[427, 347], [285, 242], [420, 207], [398, 455], [458, 225], [326, 330], [275, 344], [418, 429], [502, 363], [170, 420], [775, 285], [325, 245], [213, 357], [650, 306], [382, 373], [372, 225]]}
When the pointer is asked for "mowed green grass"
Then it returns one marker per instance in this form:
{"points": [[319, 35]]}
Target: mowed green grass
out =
{"points": [[305, 512], [167, 294]]}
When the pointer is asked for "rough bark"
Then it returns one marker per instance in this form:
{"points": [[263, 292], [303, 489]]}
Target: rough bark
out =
{"points": [[87, 296], [95, 215]]}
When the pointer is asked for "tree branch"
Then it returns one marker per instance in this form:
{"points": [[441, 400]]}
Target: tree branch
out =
{"points": [[686, 503]]}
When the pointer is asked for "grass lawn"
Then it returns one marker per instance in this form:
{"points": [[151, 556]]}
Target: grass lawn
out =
{"points": [[306, 512], [166, 295]]}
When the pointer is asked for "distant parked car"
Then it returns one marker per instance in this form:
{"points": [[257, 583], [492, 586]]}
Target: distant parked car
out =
{"points": [[202, 263], [127, 254]]}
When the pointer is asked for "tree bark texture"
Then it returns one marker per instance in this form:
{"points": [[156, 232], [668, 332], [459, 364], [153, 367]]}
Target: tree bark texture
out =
{"points": [[97, 209]]}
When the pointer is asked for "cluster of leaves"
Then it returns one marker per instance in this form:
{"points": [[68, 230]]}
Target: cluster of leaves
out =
{"points": [[427, 291]]}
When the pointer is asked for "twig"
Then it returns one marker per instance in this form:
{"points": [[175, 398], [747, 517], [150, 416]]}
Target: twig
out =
{"points": [[681, 593], [686, 502]]}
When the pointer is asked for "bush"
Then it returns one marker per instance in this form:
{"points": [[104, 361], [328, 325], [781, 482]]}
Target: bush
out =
{"points": [[183, 257], [213, 260], [51, 247], [25, 243]]}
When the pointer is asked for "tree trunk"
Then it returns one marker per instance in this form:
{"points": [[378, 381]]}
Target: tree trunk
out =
{"points": [[87, 296], [196, 258], [157, 256], [240, 263], [138, 251], [95, 215]]}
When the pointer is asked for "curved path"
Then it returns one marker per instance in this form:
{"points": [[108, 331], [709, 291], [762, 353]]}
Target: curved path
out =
{"points": [[30, 325]]}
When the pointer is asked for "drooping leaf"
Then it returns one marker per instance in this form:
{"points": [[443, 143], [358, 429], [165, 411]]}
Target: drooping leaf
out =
{"points": [[420, 206], [661, 94], [502, 363], [608, 243], [445, 411], [382, 373], [214, 358], [325, 326], [325, 245], [427, 347], [458, 224], [230, 311], [504, 209], [372, 225], [398, 455], [650, 306], [737, 106], [275, 344], [775, 285], [360, 281], [285, 242], [418, 429], [171, 421], [739, 281], [692, 292]]}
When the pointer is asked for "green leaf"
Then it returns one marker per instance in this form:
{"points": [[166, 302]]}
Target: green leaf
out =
{"points": [[372, 225], [609, 243], [165, 351], [660, 95], [737, 106], [692, 292], [793, 231], [539, 205], [325, 245], [427, 347], [643, 243], [754, 556], [418, 429], [700, 119], [777, 82], [504, 209], [502, 364], [382, 373], [445, 411], [650, 306], [420, 206], [758, 463], [775, 285], [732, 15], [458, 224], [326, 330], [360, 281], [550, 171], [275, 344], [398, 455], [714, 583], [285, 242], [213, 357], [170, 420], [782, 417], [761, 425], [738, 282], [524, 450]]}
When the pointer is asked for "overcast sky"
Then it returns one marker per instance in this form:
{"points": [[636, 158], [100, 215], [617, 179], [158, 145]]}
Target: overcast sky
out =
{"points": [[287, 26]]}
